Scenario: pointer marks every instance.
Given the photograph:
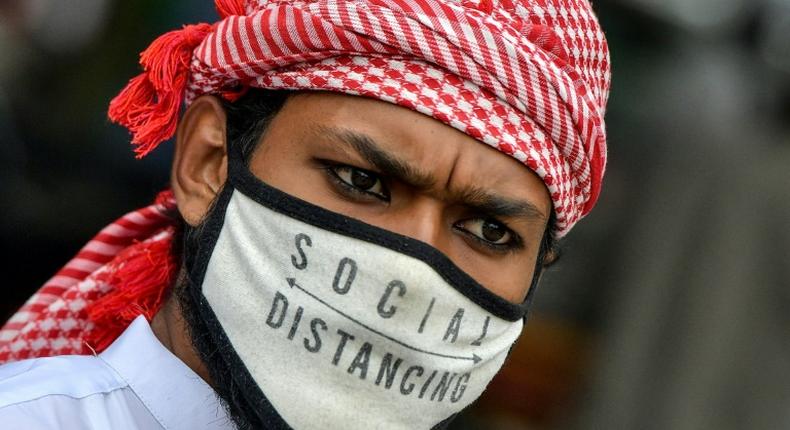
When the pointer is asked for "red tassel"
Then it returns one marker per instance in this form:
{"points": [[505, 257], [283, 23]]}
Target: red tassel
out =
{"points": [[141, 281], [149, 105], [226, 8]]}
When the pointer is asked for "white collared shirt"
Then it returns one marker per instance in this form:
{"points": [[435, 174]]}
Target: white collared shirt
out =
{"points": [[135, 384]]}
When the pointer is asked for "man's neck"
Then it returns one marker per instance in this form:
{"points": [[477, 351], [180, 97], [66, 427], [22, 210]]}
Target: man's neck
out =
{"points": [[170, 328]]}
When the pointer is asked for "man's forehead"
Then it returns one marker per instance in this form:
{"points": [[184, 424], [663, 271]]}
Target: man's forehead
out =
{"points": [[415, 148]]}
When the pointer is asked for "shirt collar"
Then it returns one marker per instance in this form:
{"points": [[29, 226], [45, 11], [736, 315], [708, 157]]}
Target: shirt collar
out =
{"points": [[175, 395]]}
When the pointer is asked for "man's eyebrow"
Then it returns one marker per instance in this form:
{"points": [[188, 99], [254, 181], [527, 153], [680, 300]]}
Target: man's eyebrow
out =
{"points": [[477, 198], [499, 206], [386, 162]]}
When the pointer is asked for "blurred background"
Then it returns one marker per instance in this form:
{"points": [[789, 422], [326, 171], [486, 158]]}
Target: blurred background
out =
{"points": [[670, 308]]}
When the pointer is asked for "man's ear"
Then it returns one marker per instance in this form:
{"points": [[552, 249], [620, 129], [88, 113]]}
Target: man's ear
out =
{"points": [[200, 164]]}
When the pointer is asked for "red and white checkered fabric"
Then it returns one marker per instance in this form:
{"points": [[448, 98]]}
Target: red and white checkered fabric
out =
{"points": [[55, 320], [528, 77]]}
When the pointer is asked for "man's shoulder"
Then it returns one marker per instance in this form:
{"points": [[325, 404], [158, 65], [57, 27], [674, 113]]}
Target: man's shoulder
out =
{"points": [[72, 376], [56, 392]]}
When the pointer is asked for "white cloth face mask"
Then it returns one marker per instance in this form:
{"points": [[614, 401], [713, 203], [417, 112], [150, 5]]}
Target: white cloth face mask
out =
{"points": [[334, 323]]}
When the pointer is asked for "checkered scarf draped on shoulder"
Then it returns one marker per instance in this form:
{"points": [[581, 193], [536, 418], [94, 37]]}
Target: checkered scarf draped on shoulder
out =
{"points": [[124, 271], [527, 77]]}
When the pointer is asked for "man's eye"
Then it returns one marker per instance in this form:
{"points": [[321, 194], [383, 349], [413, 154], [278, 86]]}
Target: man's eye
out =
{"points": [[487, 230], [361, 181]]}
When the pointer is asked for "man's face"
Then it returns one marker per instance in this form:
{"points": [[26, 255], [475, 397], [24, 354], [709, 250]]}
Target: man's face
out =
{"points": [[382, 164], [411, 174]]}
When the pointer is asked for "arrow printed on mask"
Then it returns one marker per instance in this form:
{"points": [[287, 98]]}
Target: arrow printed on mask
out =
{"points": [[476, 358]]}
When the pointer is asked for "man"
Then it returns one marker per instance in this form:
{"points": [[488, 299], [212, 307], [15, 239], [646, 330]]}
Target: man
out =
{"points": [[338, 249]]}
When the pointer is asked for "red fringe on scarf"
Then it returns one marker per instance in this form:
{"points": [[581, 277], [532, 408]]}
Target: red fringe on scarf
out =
{"points": [[149, 105], [141, 280]]}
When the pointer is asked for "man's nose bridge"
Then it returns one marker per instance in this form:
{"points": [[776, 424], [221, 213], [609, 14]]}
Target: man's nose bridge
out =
{"points": [[422, 219]]}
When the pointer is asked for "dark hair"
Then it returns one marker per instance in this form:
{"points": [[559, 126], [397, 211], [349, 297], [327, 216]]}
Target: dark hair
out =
{"points": [[249, 116]]}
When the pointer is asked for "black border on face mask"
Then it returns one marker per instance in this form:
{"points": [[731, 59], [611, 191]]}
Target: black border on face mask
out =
{"points": [[240, 178]]}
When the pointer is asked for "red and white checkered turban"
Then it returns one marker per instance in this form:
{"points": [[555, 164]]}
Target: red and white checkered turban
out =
{"points": [[527, 77]]}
